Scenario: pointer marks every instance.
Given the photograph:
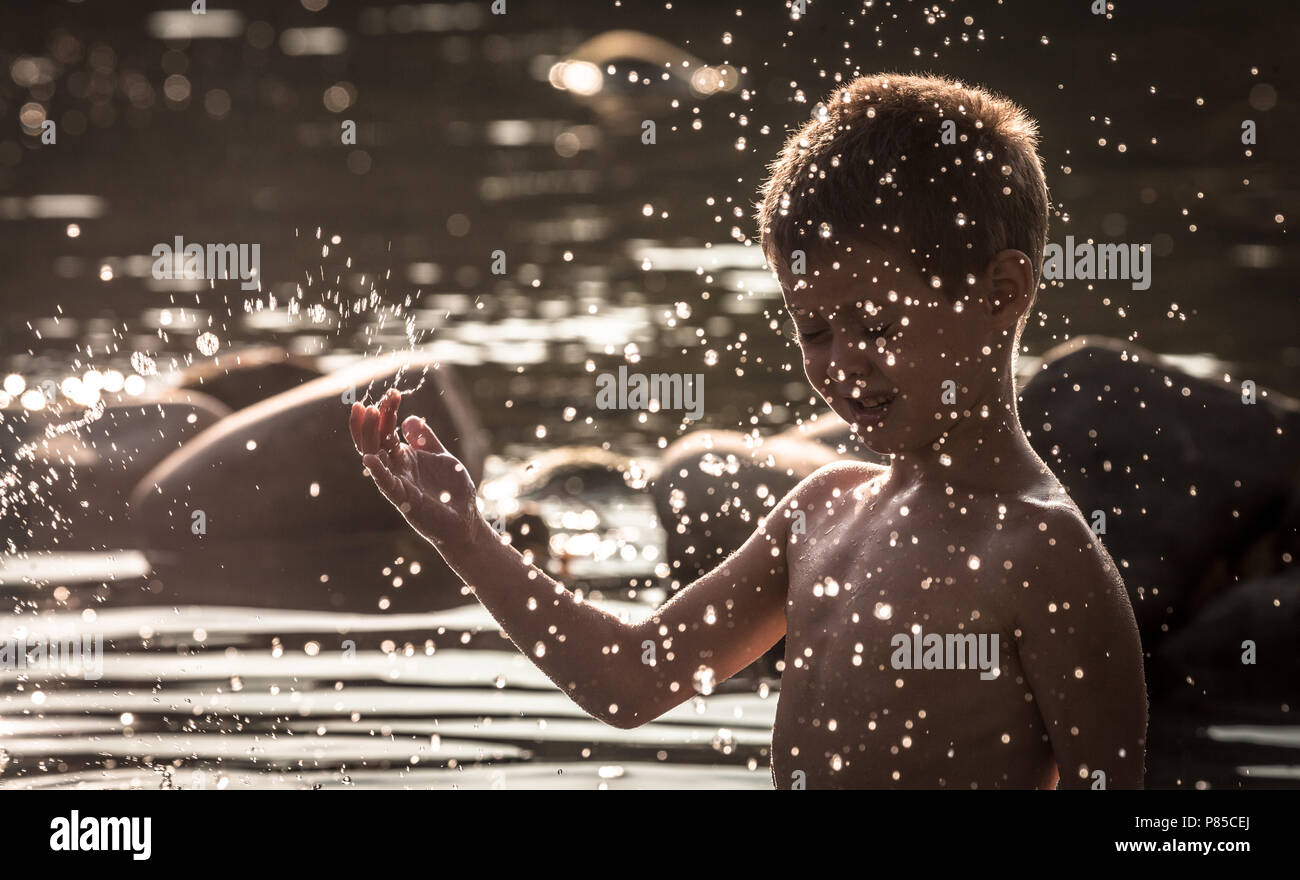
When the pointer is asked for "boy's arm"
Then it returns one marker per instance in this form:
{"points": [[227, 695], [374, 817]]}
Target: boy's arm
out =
{"points": [[624, 674], [627, 674], [1081, 652]]}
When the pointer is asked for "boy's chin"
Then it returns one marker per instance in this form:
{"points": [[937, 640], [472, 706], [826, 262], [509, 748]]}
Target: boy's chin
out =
{"points": [[875, 434], [877, 441]]}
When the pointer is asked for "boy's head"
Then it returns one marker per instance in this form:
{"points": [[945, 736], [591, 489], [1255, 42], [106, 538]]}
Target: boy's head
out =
{"points": [[907, 222]]}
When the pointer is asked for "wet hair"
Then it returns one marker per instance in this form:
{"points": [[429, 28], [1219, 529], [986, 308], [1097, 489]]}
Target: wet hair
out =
{"points": [[873, 165]]}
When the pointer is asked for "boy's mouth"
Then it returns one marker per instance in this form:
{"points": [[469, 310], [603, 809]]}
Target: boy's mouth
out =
{"points": [[868, 410]]}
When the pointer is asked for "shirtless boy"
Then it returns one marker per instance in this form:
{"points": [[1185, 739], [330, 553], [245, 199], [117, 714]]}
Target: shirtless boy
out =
{"points": [[906, 222]]}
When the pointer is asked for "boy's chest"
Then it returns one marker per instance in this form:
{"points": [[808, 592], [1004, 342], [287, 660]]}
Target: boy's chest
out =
{"points": [[865, 577]]}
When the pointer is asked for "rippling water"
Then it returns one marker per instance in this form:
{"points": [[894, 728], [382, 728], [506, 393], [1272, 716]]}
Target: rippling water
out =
{"points": [[217, 697]]}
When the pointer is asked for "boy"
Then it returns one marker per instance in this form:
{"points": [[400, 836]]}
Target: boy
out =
{"points": [[950, 620]]}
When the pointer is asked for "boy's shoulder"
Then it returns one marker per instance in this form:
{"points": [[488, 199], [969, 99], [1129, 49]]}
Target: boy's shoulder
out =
{"points": [[1056, 553], [845, 475], [832, 480]]}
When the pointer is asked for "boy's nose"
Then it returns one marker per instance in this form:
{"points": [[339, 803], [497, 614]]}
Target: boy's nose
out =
{"points": [[845, 380], [850, 358]]}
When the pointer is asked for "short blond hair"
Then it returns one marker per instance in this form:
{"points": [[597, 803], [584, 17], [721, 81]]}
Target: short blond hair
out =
{"points": [[879, 163]]}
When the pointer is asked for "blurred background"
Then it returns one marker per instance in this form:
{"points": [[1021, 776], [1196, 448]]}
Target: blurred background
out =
{"points": [[524, 133]]}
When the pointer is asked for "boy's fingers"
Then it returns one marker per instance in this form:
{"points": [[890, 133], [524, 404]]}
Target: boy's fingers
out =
{"points": [[421, 436], [388, 419], [411, 491], [388, 484], [370, 431], [355, 419]]}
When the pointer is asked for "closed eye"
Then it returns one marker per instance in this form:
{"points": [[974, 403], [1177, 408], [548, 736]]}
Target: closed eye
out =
{"points": [[813, 335], [818, 334], [793, 331]]}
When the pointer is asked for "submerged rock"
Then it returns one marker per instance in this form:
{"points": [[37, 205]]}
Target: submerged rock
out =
{"points": [[559, 499], [86, 472], [283, 473], [1192, 482], [1239, 651], [713, 486], [84, 467], [248, 376]]}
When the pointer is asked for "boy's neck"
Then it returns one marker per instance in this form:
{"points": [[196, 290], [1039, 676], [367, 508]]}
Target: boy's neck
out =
{"points": [[988, 454]]}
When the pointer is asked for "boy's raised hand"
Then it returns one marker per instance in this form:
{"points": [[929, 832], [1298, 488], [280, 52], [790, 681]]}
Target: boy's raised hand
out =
{"points": [[430, 487]]}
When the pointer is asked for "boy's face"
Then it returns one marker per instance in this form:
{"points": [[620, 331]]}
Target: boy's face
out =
{"points": [[880, 345]]}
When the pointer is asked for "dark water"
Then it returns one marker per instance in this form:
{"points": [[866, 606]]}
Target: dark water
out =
{"points": [[619, 252]]}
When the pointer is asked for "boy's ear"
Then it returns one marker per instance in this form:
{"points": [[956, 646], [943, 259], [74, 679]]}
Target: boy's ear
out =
{"points": [[1009, 285]]}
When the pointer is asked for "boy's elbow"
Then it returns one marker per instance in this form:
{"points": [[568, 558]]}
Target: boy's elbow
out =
{"points": [[625, 722], [625, 715], [631, 715], [614, 709], [618, 716], [625, 695]]}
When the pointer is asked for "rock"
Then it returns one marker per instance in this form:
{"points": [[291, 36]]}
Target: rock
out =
{"points": [[85, 474], [574, 470], [100, 463], [363, 571], [534, 500], [714, 485], [1191, 480], [284, 472], [245, 377], [1202, 664]]}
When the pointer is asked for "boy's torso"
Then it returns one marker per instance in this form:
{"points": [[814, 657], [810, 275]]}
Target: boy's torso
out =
{"points": [[871, 577]]}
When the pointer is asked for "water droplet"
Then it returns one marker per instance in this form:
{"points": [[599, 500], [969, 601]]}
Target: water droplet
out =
{"points": [[208, 343], [143, 364]]}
